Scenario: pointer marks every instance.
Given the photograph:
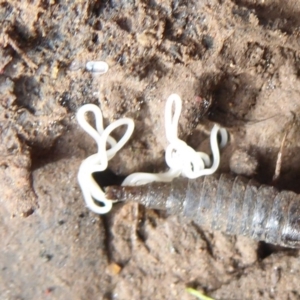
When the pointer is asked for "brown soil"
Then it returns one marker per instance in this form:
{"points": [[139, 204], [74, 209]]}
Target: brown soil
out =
{"points": [[242, 56]]}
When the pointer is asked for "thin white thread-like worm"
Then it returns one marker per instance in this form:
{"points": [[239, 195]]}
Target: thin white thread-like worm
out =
{"points": [[98, 162], [181, 158]]}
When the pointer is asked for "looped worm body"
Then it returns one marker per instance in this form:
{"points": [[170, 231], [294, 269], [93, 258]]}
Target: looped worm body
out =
{"points": [[233, 205]]}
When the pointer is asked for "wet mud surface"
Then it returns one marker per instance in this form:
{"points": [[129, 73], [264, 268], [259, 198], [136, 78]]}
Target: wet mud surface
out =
{"points": [[236, 63]]}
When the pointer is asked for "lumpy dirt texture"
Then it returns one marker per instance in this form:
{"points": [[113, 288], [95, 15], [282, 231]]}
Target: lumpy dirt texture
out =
{"points": [[233, 62]]}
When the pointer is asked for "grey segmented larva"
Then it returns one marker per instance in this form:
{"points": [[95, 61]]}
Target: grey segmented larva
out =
{"points": [[233, 205]]}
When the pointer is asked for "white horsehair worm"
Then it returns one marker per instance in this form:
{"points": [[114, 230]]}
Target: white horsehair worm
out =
{"points": [[180, 158]]}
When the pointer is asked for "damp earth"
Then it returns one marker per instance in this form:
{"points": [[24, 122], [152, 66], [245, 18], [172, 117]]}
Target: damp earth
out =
{"points": [[233, 62]]}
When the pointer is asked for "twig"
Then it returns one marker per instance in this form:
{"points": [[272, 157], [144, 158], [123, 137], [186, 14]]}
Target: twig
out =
{"points": [[280, 153], [23, 55]]}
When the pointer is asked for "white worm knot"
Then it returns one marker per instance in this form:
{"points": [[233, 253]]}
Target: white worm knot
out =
{"points": [[181, 158], [99, 161]]}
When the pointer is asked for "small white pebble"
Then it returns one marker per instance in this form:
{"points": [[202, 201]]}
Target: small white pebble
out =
{"points": [[99, 67]]}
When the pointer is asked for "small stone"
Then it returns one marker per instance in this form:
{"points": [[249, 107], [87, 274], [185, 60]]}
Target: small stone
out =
{"points": [[113, 269], [242, 163], [97, 67]]}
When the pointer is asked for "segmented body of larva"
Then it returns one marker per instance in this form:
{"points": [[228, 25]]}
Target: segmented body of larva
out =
{"points": [[234, 205]]}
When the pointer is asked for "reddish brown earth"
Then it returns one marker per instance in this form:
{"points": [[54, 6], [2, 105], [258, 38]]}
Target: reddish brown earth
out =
{"points": [[242, 56]]}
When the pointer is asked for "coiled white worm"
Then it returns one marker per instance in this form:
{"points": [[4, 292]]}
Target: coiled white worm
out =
{"points": [[181, 159]]}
